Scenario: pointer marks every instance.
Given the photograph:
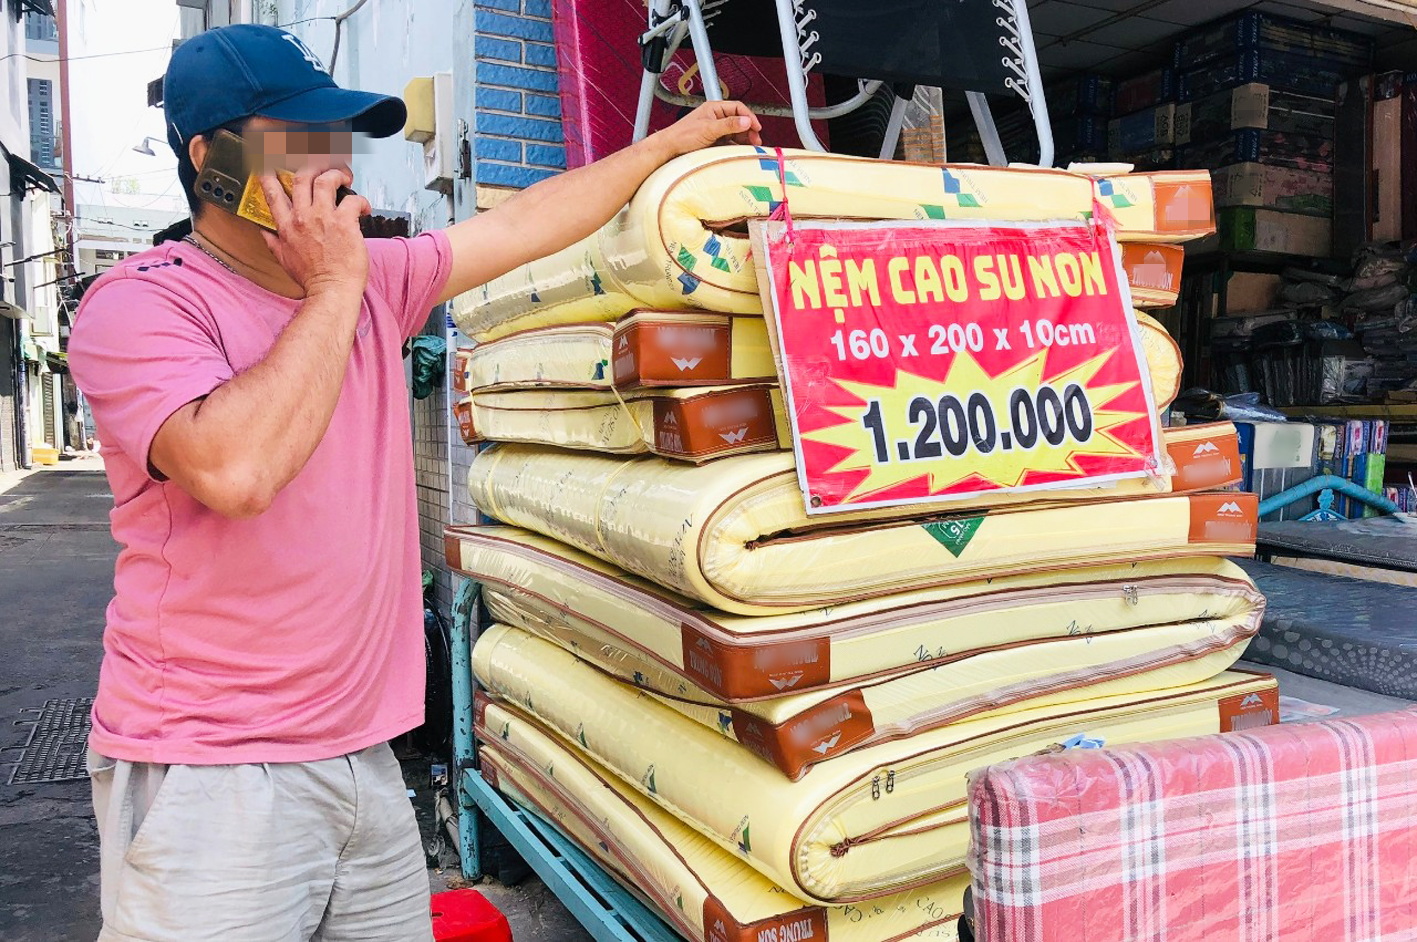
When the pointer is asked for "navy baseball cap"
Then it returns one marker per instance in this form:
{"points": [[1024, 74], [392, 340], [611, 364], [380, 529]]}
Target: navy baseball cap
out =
{"points": [[247, 70]]}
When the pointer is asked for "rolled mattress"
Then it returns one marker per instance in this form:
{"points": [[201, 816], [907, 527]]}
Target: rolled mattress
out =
{"points": [[682, 241], [734, 533], [827, 682], [883, 819], [684, 349], [691, 424], [704, 891]]}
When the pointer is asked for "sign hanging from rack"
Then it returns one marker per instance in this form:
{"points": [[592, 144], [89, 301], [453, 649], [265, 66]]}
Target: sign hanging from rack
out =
{"points": [[929, 361]]}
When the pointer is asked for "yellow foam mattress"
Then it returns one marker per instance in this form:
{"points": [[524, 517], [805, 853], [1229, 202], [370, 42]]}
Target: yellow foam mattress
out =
{"points": [[797, 731], [672, 645], [572, 356], [682, 349], [878, 820], [705, 892], [682, 241], [735, 535], [689, 424]]}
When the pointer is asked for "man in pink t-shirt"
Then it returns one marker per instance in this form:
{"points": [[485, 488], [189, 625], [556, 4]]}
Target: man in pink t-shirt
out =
{"points": [[265, 637]]}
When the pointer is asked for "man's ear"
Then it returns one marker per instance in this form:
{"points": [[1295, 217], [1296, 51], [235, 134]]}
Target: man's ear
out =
{"points": [[197, 149]]}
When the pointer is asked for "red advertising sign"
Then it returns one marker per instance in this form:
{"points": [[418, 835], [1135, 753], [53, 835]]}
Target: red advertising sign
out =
{"points": [[937, 361]]}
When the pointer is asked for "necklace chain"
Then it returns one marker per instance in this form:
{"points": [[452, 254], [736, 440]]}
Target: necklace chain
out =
{"points": [[210, 254]]}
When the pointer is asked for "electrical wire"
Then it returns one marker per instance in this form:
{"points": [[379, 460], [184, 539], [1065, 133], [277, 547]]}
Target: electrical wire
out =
{"points": [[339, 22], [96, 55]]}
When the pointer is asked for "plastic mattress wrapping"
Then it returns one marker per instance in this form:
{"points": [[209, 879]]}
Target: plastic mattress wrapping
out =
{"points": [[1299, 832], [691, 424], [681, 242], [735, 535], [684, 348], [706, 892], [803, 688], [532, 387], [881, 819]]}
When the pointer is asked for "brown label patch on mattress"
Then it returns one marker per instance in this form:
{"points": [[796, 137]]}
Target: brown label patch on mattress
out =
{"points": [[1201, 464], [461, 359], [804, 925], [1250, 710], [452, 551], [463, 413], [828, 729], [490, 776], [1227, 517], [1153, 269], [762, 670], [656, 354], [1184, 206], [479, 711], [729, 422]]}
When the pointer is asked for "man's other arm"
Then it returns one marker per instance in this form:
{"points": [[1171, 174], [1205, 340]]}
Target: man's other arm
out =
{"points": [[235, 449]]}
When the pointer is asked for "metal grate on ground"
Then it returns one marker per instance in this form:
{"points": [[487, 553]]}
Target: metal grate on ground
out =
{"points": [[57, 747]]}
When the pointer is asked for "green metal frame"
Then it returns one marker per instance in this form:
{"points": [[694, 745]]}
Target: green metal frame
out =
{"points": [[606, 910]]}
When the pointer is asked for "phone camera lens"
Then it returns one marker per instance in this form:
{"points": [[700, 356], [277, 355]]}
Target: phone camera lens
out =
{"points": [[231, 197], [207, 186], [219, 192]]}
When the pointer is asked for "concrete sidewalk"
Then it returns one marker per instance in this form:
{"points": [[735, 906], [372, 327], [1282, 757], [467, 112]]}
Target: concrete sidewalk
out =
{"points": [[56, 579]]}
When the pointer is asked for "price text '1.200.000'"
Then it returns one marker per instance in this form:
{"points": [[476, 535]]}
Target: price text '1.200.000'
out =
{"points": [[951, 426]]}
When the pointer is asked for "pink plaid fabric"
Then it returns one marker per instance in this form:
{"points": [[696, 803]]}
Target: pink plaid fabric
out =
{"points": [[1286, 833]]}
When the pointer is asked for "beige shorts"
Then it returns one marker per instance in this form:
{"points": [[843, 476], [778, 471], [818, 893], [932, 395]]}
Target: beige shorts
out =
{"points": [[321, 851]]}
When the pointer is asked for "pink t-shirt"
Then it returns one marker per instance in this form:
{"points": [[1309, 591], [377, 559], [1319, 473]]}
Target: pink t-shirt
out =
{"points": [[292, 636]]}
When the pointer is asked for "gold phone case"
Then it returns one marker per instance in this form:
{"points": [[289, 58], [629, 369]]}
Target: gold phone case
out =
{"points": [[226, 181]]}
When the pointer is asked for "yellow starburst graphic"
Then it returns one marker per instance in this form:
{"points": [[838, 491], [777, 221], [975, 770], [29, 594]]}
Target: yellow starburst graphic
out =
{"points": [[906, 425]]}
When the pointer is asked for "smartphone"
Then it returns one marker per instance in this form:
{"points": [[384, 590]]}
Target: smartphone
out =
{"points": [[226, 181]]}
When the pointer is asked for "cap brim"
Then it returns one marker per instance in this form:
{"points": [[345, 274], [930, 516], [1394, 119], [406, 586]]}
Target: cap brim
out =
{"points": [[371, 113]]}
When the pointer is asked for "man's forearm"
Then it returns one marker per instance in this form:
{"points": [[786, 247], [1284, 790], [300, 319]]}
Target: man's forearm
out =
{"points": [[570, 206], [258, 430]]}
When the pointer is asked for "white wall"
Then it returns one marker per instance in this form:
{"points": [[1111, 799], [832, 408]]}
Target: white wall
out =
{"points": [[384, 45], [14, 114]]}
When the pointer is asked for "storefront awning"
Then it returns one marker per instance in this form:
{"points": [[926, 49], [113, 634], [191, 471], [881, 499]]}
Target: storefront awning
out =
{"points": [[13, 311], [27, 176]]}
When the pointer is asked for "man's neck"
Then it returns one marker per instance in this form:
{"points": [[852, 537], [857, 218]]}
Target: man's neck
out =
{"points": [[240, 245]]}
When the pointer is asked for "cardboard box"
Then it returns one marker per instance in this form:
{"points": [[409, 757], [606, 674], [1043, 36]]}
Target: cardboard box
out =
{"points": [[1145, 91], [1387, 157], [1085, 93], [1142, 132], [1254, 105], [1252, 229], [1275, 456], [1251, 291], [1252, 145], [1285, 71], [1256, 30], [1285, 188]]}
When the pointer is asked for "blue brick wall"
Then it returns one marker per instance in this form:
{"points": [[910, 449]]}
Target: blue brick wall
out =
{"points": [[518, 111]]}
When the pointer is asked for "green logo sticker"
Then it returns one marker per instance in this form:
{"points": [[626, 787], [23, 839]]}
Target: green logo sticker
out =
{"points": [[954, 535]]}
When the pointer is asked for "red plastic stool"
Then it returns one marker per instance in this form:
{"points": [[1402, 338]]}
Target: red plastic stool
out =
{"points": [[466, 916]]}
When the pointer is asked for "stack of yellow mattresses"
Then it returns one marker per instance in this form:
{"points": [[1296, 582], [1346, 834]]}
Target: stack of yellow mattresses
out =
{"points": [[761, 721]]}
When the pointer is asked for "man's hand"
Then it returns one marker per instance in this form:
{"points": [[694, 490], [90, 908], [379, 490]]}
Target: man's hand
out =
{"points": [[713, 122], [317, 242]]}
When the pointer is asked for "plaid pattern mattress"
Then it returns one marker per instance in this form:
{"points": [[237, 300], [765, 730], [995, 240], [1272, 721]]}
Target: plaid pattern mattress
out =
{"points": [[1292, 832]]}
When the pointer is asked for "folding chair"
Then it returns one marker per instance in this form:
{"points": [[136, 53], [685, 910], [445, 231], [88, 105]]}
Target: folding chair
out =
{"points": [[982, 47]]}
